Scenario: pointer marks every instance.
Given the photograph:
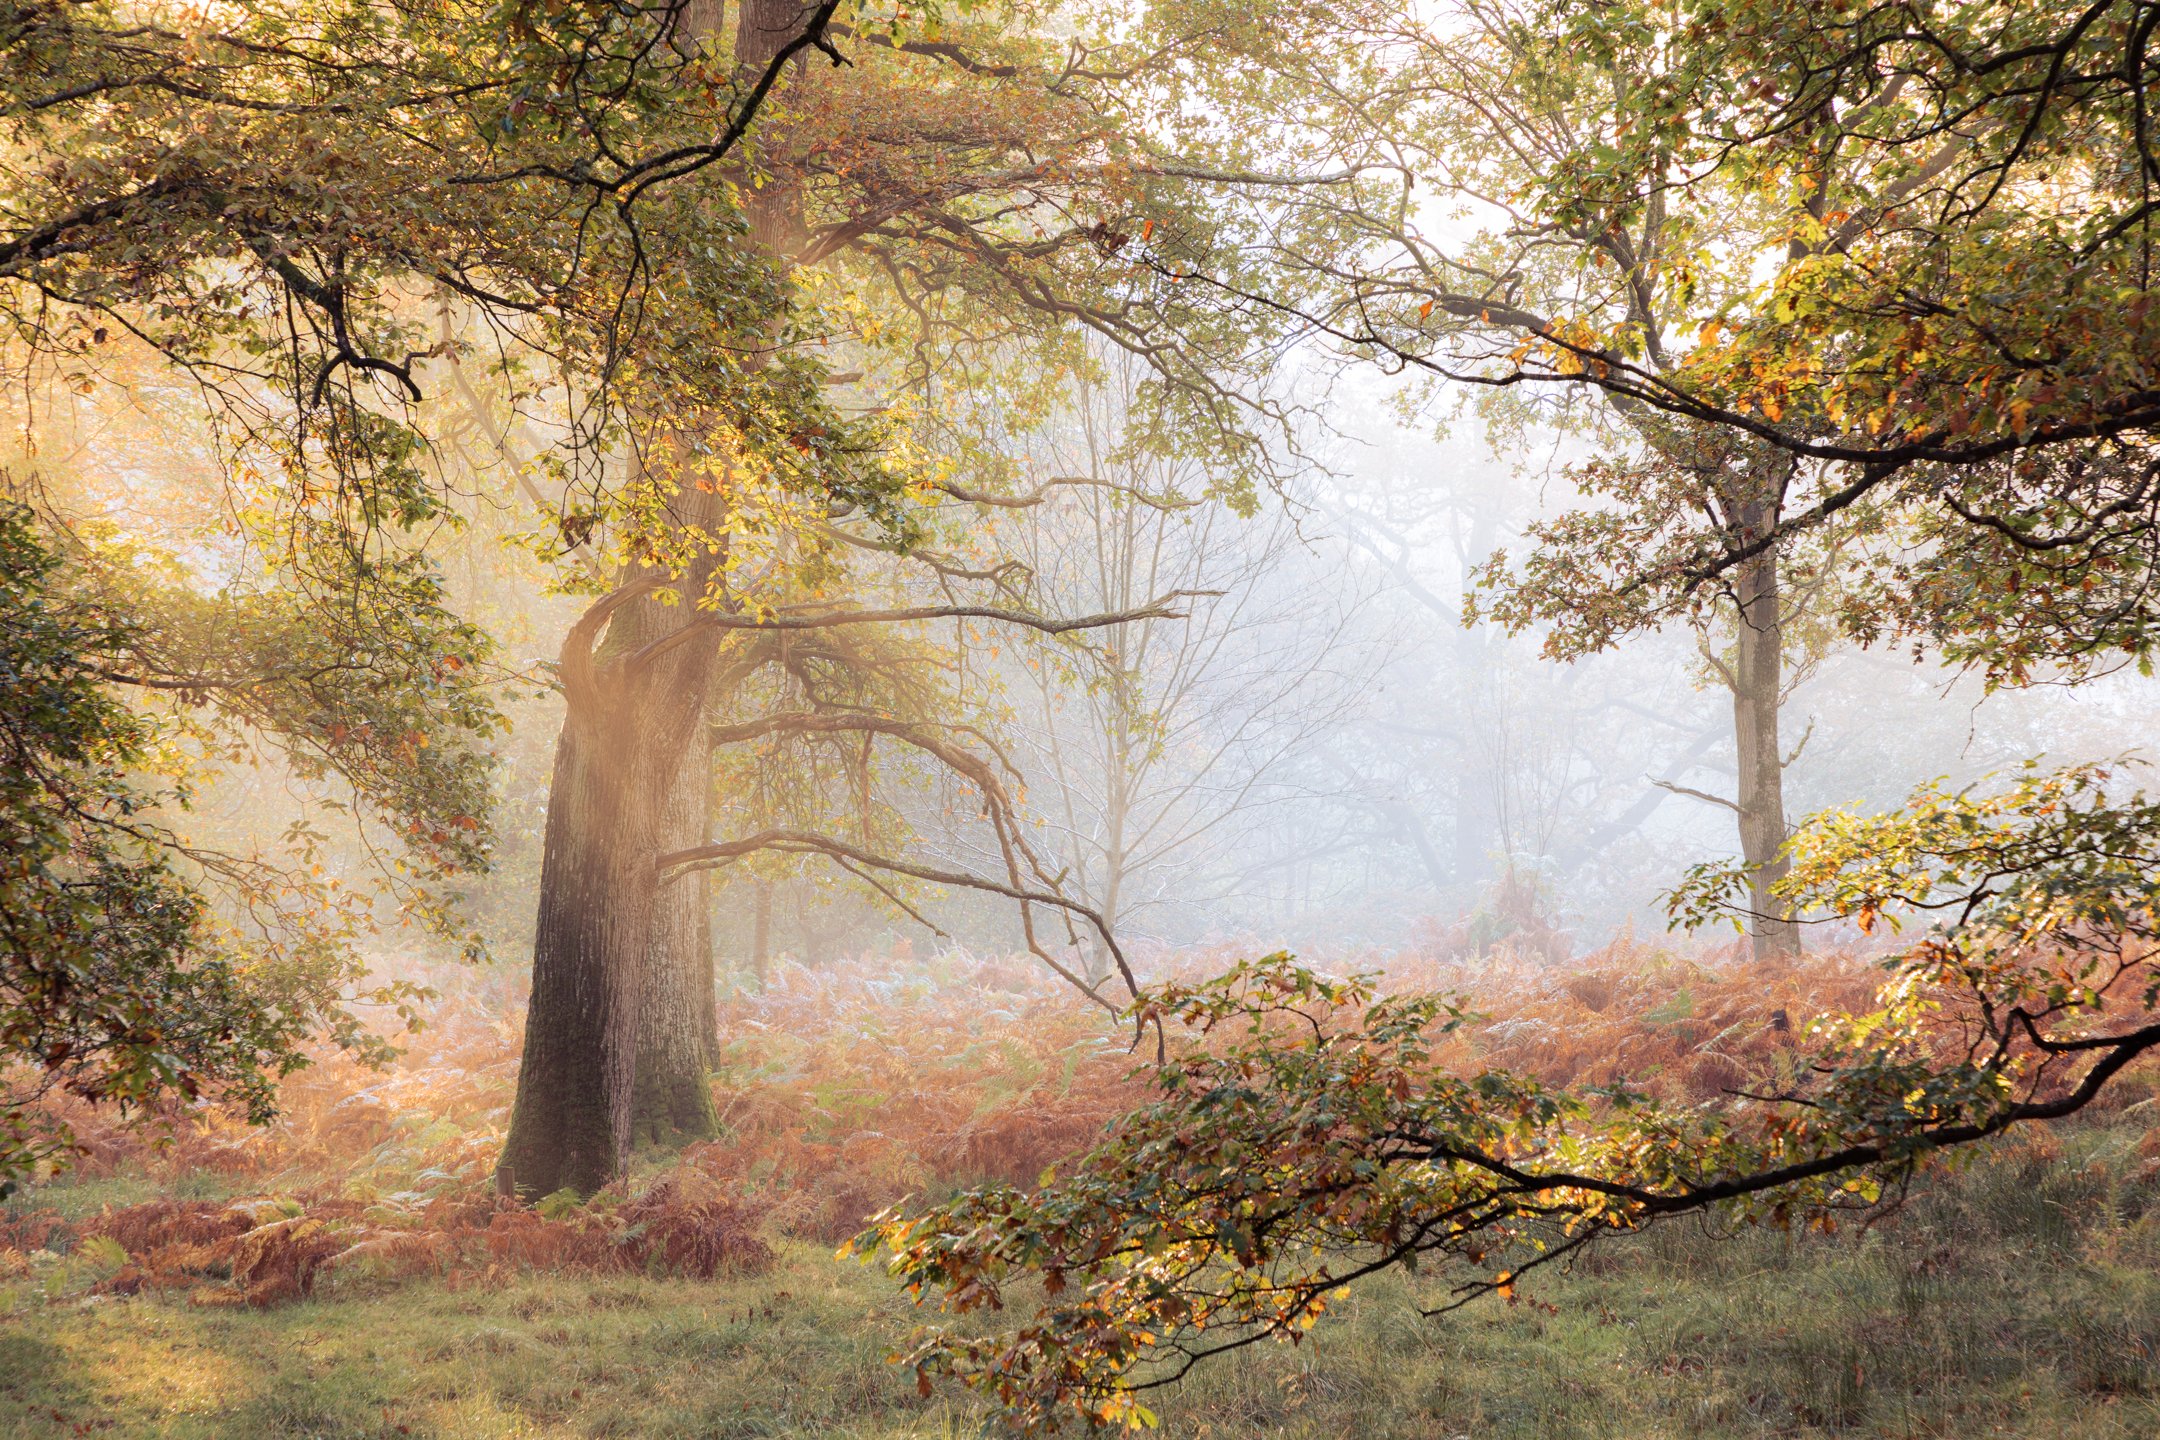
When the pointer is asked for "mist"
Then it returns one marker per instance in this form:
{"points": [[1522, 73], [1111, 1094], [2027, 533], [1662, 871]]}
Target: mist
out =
{"points": [[746, 717]]}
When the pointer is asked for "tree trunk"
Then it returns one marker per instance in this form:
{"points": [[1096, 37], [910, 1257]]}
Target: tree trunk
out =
{"points": [[631, 717], [761, 933], [1101, 965], [617, 762], [565, 1131], [1477, 709], [678, 1029], [1413, 828], [1759, 673], [677, 1035]]}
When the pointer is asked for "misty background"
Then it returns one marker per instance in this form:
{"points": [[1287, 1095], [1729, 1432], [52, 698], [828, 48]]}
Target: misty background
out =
{"points": [[1319, 754]]}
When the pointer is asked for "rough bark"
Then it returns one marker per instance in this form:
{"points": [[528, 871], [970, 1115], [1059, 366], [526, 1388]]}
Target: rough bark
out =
{"points": [[562, 1131], [1759, 678], [616, 763], [677, 1036]]}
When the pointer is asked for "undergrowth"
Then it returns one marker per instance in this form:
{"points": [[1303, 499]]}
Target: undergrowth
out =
{"points": [[365, 1216], [2018, 1298]]}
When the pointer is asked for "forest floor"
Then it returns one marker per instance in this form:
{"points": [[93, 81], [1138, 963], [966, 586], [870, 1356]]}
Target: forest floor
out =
{"points": [[2019, 1296]]}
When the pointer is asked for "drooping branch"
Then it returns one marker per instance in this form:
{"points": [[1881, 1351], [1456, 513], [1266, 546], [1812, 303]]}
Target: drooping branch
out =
{"points": [[627, 182], [1027, 499], [62, 235], [811, 843], [1232, 1209], [1693, 794]]}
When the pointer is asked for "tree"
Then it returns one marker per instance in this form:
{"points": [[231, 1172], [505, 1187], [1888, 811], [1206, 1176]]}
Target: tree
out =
{"points": [[315, 216], [1160, 755], [1545, 767], [1500, 112], [115, 983], [979, 179], [1772, 241], [274, 212], [637, 671]]}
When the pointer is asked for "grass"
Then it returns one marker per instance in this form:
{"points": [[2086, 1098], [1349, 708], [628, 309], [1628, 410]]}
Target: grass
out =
{"points": [[2020, 1297]]}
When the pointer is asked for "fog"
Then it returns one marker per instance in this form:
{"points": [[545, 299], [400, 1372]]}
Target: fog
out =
{"points": [[1316, 751]]}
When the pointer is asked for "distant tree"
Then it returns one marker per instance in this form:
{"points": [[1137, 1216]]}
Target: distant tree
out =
{"points": [[1772, 242], [1544, 767], [1162, 757]]}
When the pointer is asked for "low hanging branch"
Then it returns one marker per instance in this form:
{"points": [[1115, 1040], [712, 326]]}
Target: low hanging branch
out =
{"points": [[805, 842], [1026, 878], [1305, 1136]]}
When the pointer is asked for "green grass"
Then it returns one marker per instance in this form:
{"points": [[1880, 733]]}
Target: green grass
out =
{"points": [[2020, 1298]]}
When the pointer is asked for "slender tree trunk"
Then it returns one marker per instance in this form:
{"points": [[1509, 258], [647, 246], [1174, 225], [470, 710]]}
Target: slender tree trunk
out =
{"points": [[1100, 965], [761, 933], [1480, 773], [1759, 673], [677, 1036], [1413, 829], [1480, 780], [708, 960]]}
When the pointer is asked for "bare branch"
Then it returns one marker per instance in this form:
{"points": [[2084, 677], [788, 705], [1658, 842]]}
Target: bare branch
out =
{"points": [[703, 857], [1694, 794]]}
